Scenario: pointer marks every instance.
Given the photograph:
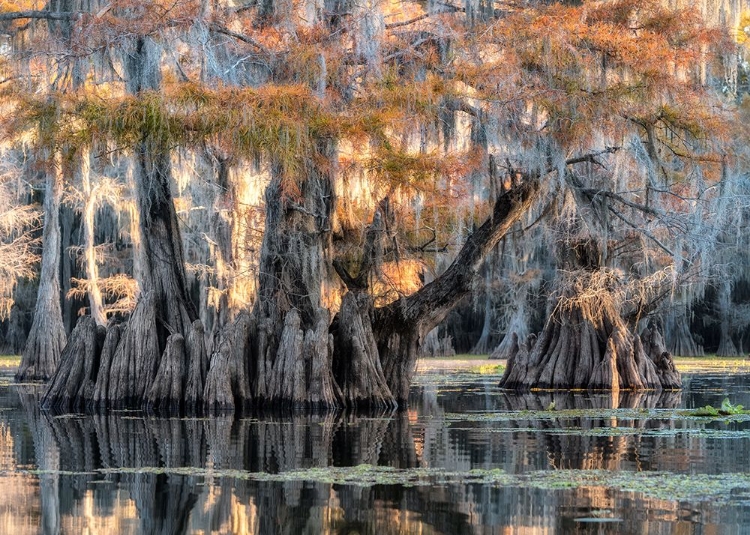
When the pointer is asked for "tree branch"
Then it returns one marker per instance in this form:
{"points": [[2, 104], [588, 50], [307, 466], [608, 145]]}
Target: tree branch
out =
{"points": [[40, 14], [214, 27], [406, 22], [428, 306]]}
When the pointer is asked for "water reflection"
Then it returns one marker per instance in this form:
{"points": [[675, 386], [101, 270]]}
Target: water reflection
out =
{"points": [[125, 473]]}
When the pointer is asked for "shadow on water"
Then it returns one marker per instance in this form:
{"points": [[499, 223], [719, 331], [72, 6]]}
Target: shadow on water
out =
{"points": [[127, 473]]}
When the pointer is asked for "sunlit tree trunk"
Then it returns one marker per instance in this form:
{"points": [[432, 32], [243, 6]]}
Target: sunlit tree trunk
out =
{"points": [[292, 363], [399, 326], [149, 366], [585, 343], [47, 336], [96, 307]]}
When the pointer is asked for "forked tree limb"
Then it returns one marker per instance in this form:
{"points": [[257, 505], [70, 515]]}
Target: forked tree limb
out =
{"points": [[428, 306]]}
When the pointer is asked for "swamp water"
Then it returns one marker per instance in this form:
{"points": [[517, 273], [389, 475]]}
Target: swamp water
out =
{"points": [[466, 458]]}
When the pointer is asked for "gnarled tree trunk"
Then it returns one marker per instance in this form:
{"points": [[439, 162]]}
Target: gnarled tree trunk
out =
{"points": [[357, 366], [284, 350], [47, 336], [290, 363], [586, 344], [164, 308]]}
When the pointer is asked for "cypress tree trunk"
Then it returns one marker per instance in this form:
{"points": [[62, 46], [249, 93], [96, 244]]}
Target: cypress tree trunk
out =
{"points": [[483, 344], [47, 336], [280, 357], [96, 305], [356, 359], [290, 364], [680, 340], [726, 344], [164, 309], [586, 344], [517, 330], [74, 382], [357, 366]]}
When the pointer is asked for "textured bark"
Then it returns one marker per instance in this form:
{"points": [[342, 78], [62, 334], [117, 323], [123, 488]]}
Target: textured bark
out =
{"points": [[74, 382], [726, 348], [101, 390], [585, 344], [356, 362], [135, 360], [197, 369], [216, 311], [17, 324], [655, 348], [323, 392], [166, 392], [482, 346], [434, 346], [46, 338], [517, 330], [164, 307], [517, 356], [292, 338], [227, 382], [96, 304]]}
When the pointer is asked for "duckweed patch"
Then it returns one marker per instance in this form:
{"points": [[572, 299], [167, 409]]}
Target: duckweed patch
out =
{"points": [[588, 414], [660, 485], [9, 361], [711, 364]]}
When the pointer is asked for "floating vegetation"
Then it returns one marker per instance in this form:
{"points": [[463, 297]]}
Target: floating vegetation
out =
{"points": [[589, 414], [726, 409], [691, 365], [9, 361], [489, 369], [661, 485]]}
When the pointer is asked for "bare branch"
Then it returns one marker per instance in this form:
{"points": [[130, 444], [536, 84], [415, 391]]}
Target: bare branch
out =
{"points": [[40, 14], [214, 27], [406, 22]]}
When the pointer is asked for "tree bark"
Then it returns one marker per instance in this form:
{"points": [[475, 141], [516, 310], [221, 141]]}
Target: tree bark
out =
{"points": [[482, 347], [227, 385], [586, 344], [47, 336], [164, 308], [726, 344], [96, 304], [357, 366], [517, 330], [291, 342], [74, 382]]}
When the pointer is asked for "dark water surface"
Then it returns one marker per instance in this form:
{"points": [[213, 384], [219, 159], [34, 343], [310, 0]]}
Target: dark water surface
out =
{"points": [[466, 458]]}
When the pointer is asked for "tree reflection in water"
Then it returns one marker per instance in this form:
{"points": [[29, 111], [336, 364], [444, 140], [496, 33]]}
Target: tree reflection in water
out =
{"points": [[128, 473]]}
